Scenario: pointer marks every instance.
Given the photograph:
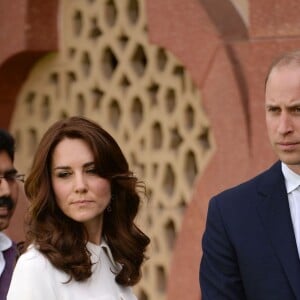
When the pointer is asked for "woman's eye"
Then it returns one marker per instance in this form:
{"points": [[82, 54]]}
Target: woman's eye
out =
{"points": [[62, 174], [92, 171]]}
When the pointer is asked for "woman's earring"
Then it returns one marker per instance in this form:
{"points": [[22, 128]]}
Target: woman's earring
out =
{"points": [[108, 208]]}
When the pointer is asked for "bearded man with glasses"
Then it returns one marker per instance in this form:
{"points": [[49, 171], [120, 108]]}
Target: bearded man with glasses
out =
{"points": [[9, 193]]}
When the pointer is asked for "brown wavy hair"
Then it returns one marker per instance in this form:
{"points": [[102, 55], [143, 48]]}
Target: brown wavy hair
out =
{"points": [[63, 240]]}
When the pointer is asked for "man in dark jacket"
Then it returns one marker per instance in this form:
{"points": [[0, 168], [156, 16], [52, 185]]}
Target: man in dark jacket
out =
{"points": [[9, 192]]}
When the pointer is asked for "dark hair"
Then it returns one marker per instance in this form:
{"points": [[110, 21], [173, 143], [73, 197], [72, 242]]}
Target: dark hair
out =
{"points": [[56, 235], [7, 143], [285, 59]]}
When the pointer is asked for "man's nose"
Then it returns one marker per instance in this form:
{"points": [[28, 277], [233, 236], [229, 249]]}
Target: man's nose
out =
{"points": [[4, 187], [285, 123]]}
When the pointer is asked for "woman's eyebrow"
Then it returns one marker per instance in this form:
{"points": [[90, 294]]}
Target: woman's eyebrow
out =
{"points": [[61, 168], [88, 164]]}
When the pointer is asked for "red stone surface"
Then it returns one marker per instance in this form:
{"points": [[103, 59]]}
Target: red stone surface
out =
{"points": [[274, 18], [198, 35]]}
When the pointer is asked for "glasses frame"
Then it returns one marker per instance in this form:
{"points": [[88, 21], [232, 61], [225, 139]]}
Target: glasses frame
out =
{"points": [[12, 177]]}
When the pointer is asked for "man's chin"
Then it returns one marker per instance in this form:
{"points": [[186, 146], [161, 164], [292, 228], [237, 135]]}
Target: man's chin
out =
{"points": [[4, 222], [289, 158]]}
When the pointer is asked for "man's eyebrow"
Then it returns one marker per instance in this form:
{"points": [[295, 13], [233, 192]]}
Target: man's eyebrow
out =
{"points": [[10, 171], [271, 105], [296, 104]]}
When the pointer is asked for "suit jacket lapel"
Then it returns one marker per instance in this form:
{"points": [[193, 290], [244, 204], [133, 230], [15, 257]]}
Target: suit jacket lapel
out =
{"points": [[274, 210]]}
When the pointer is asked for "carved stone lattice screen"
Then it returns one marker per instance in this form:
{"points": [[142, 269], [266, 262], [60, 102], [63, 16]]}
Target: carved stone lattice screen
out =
{"points": [[107, 70]]}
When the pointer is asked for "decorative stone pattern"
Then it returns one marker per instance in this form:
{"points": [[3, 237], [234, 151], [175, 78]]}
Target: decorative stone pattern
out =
{"points": [[107, 70]]}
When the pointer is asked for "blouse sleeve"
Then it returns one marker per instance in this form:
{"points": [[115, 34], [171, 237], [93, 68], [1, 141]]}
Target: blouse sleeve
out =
{"points": [[31, 278]]}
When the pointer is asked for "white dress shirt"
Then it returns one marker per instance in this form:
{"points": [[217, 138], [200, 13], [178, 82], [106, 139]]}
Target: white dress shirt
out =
{"points": [[292, 183], [5, 243], [35, 278]]}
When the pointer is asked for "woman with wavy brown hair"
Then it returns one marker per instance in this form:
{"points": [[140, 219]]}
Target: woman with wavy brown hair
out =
{"points": [[82, 242]]}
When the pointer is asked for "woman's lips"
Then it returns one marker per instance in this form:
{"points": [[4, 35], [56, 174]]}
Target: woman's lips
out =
{"points": [[78, 202]]}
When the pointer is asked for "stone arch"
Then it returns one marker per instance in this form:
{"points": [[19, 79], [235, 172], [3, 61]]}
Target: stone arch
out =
{"points": [[34, 33]]}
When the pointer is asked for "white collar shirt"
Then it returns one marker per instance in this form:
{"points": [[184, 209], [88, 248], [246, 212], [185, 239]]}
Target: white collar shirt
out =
{"points": [[292, 183], [5, 243], [35, 278]]}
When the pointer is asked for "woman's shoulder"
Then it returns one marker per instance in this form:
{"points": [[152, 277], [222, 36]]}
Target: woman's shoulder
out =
{"points": [[33, 277], [32, 258], [34, 264]]}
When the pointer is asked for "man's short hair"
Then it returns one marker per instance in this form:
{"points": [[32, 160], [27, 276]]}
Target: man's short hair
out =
{"points": [[7, 143], [285, 59]]}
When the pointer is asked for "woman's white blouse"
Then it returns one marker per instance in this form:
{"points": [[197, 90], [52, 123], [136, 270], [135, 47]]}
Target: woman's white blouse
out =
{"points": [[35, 278]]}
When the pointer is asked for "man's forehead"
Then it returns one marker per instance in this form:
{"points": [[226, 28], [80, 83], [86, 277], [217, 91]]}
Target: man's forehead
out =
{"points": [[6, 164]]}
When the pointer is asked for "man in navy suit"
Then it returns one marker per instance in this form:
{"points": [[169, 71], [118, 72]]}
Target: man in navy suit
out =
{"points": [[251, 243]]}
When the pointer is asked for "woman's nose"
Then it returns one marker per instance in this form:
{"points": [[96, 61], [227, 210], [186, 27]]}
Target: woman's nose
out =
{"points": [[80, 184]]}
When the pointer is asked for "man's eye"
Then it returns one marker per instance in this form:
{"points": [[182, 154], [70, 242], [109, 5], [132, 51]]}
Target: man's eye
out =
{"points": [[273, 109], [10, 177]]}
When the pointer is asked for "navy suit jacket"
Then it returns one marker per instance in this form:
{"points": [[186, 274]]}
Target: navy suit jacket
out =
{"points": [[249, 247]]}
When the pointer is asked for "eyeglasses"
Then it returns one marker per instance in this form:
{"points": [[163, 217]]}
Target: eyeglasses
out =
{"points": [[12, 177]]}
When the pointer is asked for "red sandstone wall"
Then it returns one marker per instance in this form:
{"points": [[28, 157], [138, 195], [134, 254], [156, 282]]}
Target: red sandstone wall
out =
{"points": [[227, 61]]}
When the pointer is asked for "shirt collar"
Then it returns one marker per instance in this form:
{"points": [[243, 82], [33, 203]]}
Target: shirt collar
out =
{"points": [[292, 179], [96, 248], [107, 250], [5, 242]]}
